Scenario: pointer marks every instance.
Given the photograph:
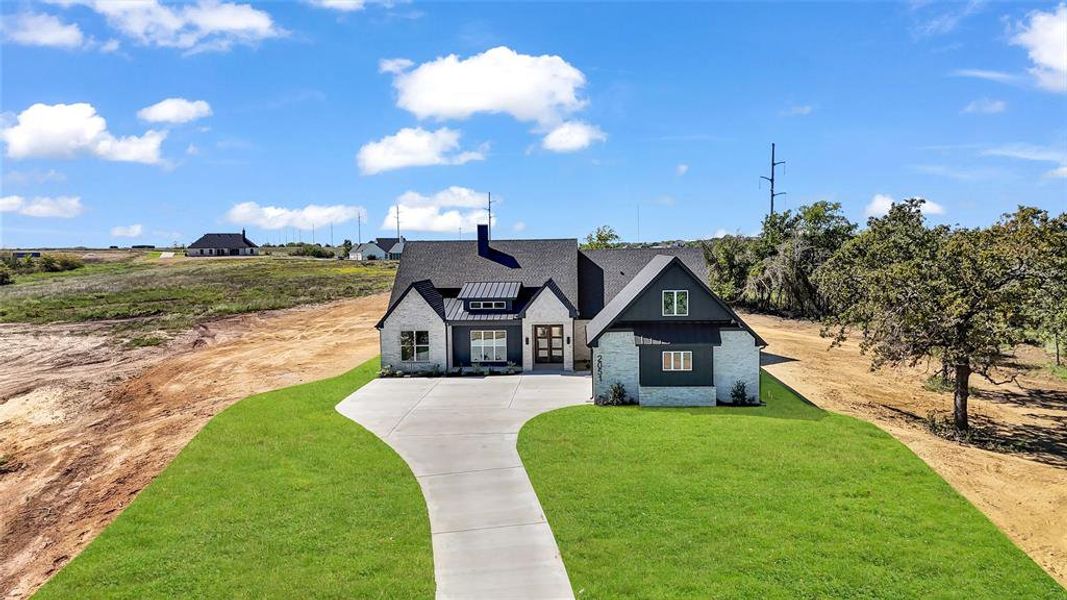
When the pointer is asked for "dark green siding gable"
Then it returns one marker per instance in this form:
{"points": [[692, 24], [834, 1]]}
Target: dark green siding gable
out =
{"points": [[649, 305]]}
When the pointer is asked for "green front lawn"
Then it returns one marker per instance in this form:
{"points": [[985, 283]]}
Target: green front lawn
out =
{"points": [[278, 497], [781, 501]]}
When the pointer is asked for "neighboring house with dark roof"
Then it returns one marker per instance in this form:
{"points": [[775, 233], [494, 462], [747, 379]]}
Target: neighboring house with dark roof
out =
{"points": [[642, 317], [378, 249], [222, 244]]}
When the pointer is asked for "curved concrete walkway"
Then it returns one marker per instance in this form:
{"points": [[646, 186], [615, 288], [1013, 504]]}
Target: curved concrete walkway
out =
{"points": [[490, 536]]}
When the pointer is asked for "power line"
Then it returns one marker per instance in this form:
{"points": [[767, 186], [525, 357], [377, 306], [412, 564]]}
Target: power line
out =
{"points": [[771, 178]]}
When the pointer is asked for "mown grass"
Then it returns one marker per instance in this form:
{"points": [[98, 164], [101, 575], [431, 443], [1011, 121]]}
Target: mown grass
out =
{"points": [[779, 501], [161, 295], [278, 497]]}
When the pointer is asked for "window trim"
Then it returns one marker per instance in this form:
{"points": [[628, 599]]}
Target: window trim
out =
{"points": [[677, 357], [415, 345], [496, 347], [674, 303]]}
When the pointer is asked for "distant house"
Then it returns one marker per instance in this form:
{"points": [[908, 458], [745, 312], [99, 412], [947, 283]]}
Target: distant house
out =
{"points": [[379, 249], [223, 244], [643, 318]]}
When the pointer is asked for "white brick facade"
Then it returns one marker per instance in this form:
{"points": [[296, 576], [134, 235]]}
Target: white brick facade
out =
{"points": [[547, 310], [414, 314], [736, 359], [616, 359], [678, 396]]}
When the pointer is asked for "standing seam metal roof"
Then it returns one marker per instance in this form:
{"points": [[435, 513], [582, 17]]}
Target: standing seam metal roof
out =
{"points": [[493, 290]]}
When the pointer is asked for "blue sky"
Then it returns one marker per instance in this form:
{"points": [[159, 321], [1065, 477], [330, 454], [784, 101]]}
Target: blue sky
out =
{"points": [[288, 115]]}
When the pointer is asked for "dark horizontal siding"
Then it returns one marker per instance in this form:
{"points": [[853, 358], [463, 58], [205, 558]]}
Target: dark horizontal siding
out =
{"points": [[653, 375]]}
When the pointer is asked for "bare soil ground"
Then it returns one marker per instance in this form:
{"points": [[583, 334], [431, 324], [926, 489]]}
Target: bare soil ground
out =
{"points": [[1024, 493], [85, 425]]}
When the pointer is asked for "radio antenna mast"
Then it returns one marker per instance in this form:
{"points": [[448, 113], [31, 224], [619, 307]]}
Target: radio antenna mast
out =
{"points": [[771, 178]]}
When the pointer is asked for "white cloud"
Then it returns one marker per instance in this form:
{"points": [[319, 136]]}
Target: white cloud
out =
{"points": [[394, 65], [414, 147], [542, 89], [274, 217], [681, 169], [1045, 39], [339, 5], [881, 203], [207, 25], [30, 29], [110, 46], [72, 130], [451, 196], [947, 21], [61, 207], [985, 106], [519, 226], [1035, 153], [797, 111], [128, 231], [720, 233], [447, 211], [572, 136], [175, 110], [998, 76], [32, 177]]}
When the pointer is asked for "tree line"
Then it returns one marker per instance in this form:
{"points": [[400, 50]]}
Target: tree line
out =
{"points": [[910, 291]]}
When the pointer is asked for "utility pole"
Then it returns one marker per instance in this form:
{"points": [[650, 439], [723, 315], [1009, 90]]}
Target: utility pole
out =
{"points": [[331, 234], [489, 204], [771, 178], [398, 221], [359, 228]]}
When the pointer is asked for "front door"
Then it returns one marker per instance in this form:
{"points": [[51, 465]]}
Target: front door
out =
{"points": [[548, 343]]}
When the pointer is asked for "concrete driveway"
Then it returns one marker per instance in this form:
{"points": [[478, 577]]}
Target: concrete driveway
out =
{"points": [[490, 536]]}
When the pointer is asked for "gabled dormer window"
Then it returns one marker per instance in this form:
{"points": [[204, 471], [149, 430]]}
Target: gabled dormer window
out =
{"points": [[488, 305], [675, 303]]}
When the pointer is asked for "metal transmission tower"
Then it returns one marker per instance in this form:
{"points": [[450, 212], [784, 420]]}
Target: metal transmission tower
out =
{"points": [[771, 178]]}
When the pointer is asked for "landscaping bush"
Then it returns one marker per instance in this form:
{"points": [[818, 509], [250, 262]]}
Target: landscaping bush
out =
{"points": [[739, 394], [616, 396], [5, 275]]}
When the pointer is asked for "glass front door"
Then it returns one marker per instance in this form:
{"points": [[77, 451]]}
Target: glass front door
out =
{"points": [[548, 343]]}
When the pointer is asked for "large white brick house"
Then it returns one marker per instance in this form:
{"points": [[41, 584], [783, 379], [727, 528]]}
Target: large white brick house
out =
{"points": [[641, 317]]}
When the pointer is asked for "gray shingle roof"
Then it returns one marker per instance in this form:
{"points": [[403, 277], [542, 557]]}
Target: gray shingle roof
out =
{"points": [[603, 273], [451, 264], [387, 244], [223, 240], [490, 290]]}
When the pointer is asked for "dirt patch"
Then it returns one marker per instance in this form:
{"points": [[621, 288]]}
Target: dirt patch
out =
{"points": [[86, 425], [1024, 493]]}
